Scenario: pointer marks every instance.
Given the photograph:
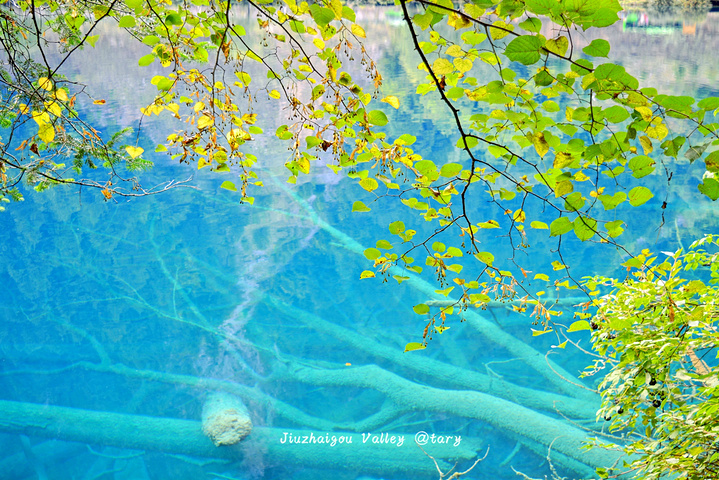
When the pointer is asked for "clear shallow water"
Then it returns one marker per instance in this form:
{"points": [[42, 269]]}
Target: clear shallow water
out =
{"points": [[130, 307]]}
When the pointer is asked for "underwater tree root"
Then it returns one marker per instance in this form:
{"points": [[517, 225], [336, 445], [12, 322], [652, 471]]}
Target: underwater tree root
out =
{"points": [[185, 437]]}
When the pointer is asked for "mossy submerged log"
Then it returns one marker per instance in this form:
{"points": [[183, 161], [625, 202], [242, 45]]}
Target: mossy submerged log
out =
{"points": [[363, 455], [455, 376]]}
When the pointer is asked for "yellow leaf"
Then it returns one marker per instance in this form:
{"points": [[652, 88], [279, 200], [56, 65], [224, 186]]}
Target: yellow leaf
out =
{"points": [[502, 30], [646, 145], [367, 274], [304, 165], [274, 94], [174, 108], [536, 333], [204, 122], [319, 43], [134, 152], [336, 6], [45, 83], [369, 184], [23, 108], [392, 100], [202, 162], [519, 216], [46, 132], [658, 132], [455, 51], [358, 31], [249, 118], [562, 159], [540, 144], [41, 118], [442, 66], [61, 95], [645, 112], [54, 108], [199, 106]]}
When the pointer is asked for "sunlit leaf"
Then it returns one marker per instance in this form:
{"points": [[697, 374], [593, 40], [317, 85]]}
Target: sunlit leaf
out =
{"points": [[421, 309], [134, 152], [359, 206], [358, 31], [597, 48], [392, 100], [228, 185], [414, 346], [639, 196]]}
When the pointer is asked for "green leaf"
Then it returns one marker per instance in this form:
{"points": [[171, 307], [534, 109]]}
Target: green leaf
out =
{"points": [[488, 224], [423, 20], [455, 93], [579, 325], [413, 346], [396, 228], [146, 60], [128, 21], [360, 207], [560, 226], [539, 225], [585, 228], [614, 229], [709, 103], [485, 257], [525, 49], [383, 244], [597, 48], [377, 117], [611, 201], [712, 161], [616, 114], [228, 185], [450, 170], [710, 188], [151, 40], [421, 309], [92, 40], [531, 24], [406, 139], [369, 184], [372, 253], [321, 15], [173, 19], [641, 166], [639, 196]]}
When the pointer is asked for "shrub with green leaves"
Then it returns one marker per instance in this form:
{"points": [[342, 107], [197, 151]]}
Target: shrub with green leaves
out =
{"points": [[657, 332]]}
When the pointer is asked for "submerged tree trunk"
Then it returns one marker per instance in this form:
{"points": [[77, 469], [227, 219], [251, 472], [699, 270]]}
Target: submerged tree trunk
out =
{"points": [[363, 453]]}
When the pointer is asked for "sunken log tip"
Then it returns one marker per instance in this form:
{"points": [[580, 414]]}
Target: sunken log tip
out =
{"points": [[225, 419]]}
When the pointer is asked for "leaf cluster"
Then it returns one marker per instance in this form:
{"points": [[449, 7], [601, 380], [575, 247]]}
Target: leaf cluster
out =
{"points": [[657, 334]]}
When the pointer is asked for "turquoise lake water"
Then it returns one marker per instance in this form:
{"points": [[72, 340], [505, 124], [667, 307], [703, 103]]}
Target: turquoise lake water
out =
{"points": [[136, 311]]}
